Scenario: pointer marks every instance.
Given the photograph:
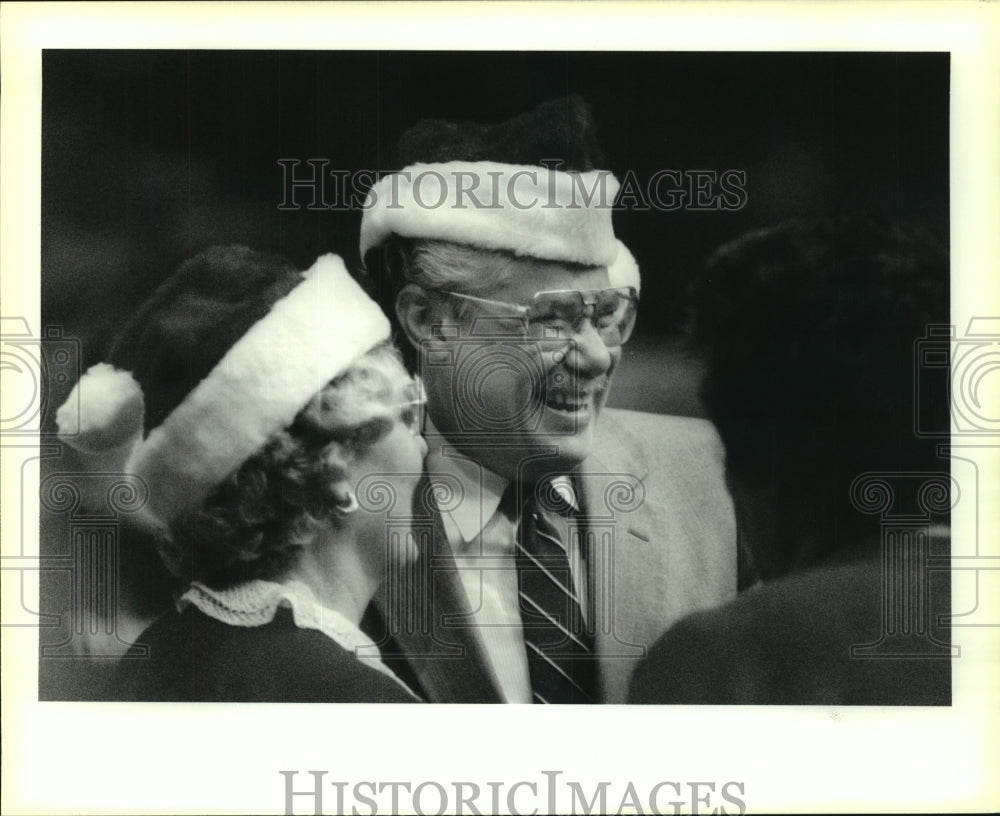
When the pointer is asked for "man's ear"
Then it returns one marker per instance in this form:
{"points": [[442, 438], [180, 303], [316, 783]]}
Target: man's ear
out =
{"points": [[416, 314]]}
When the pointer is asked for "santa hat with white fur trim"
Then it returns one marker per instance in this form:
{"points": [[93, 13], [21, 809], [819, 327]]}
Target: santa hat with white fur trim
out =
{"points": [[527, 186], [222, 356]]}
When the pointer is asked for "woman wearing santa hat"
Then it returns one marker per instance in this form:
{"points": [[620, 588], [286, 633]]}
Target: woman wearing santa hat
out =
{"points": [[271, 429]]}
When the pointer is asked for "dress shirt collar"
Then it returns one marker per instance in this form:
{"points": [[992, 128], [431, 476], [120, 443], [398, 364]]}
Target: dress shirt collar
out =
{"points": [[481, 488]]}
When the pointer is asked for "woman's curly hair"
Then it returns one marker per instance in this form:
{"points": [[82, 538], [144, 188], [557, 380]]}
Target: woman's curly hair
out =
{"points": [[256, 522]]}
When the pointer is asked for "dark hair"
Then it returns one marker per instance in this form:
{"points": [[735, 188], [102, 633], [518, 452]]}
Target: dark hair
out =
{"points": [[256, 522], [808, 329]]}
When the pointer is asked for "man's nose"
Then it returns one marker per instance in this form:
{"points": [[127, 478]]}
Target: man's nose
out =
{"points": [[588, 354]]}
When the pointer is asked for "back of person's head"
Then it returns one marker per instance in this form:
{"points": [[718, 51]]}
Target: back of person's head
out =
{"points": [[808, 330]]}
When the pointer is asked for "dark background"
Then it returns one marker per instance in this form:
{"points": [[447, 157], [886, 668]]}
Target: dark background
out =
{"points": [[150, 156]]}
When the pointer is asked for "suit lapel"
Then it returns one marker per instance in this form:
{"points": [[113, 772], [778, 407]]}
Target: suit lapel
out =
{"points": [[619, 522], [427, 614]]}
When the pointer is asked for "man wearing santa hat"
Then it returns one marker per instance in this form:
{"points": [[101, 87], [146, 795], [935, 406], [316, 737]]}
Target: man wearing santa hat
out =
{"points": [[559, 538]]}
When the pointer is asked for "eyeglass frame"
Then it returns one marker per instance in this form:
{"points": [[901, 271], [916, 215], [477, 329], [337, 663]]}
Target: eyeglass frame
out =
{"points": [[417, 402], [524, 310]]}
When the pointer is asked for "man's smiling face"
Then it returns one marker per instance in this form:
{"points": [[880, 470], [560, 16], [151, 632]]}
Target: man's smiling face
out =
{"points": [[503, 395]]}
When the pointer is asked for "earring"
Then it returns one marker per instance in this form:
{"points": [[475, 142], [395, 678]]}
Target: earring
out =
{"points": [[344, 510]]}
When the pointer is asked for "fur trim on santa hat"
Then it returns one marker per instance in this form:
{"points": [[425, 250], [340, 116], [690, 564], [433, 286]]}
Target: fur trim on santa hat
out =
{"points": [[624, 271], [530, 211]]}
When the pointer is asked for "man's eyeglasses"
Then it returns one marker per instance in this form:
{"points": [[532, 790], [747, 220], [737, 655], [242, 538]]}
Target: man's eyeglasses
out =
{"points": [[559, 314]]}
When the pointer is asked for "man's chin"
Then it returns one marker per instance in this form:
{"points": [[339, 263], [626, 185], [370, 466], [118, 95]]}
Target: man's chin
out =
{"points": [[571, 436]]}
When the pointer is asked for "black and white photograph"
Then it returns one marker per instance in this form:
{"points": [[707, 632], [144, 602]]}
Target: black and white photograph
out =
{"points": [[768, 269], [654, 386]]}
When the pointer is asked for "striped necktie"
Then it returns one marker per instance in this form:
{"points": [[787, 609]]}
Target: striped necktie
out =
{"points": [[559, 647]]}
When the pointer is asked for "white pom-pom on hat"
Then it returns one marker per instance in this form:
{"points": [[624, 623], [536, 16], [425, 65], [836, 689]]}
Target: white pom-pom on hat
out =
{"points": [[104, 411]]}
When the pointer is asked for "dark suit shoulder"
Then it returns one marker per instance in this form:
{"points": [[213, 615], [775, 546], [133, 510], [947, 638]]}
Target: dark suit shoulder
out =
{"points": [[192, 657], [790, 642]]}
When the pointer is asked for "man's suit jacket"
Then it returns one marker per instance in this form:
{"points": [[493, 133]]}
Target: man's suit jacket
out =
{"points": [[660, 542], [792, 642]]}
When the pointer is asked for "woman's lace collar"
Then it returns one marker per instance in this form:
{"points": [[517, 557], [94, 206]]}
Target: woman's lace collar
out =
{"points": [[255, 603]]}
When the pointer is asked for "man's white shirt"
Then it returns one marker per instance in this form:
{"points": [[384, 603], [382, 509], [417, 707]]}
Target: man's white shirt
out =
{"points": [[482, 540]]}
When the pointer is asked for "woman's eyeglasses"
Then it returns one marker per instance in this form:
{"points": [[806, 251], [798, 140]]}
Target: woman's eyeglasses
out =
{"points": [[411, 410]]}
